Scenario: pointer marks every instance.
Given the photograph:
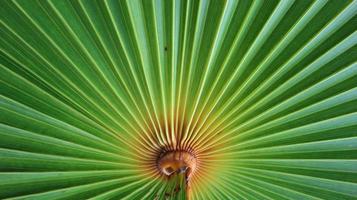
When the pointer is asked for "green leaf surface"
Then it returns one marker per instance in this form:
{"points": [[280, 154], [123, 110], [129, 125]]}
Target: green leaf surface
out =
{"points": [[263, 93]]}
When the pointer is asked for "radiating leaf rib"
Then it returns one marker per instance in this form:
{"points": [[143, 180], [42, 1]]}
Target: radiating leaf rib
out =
{"points": [[78, 192]]}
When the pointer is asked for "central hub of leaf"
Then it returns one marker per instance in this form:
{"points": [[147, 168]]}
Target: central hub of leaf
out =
{"points": [[177, 162]]}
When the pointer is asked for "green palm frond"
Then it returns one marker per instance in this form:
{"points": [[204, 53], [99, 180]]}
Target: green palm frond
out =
{"points": [[258, 99]]}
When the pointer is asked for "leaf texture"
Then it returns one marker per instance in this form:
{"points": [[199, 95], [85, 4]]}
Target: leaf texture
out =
{"points": [[263, 93]]}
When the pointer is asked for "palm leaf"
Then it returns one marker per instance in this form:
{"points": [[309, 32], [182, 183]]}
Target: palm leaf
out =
{"points": [[93, 94]]}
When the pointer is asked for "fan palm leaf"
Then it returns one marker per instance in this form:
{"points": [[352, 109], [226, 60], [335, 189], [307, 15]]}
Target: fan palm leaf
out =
{"points": [[154, 99]]}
